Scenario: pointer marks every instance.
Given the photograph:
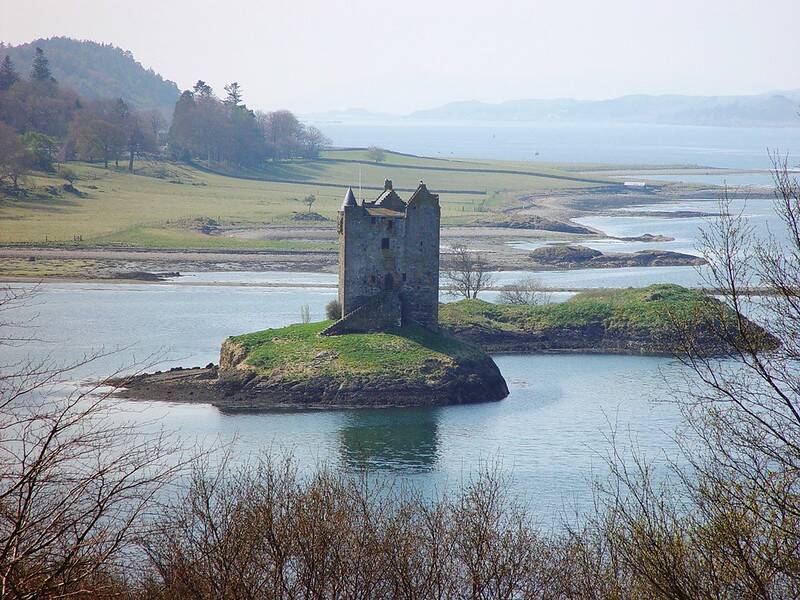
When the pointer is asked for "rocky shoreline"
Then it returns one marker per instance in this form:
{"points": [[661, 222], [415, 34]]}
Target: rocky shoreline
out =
{"points": [[467, 375]]}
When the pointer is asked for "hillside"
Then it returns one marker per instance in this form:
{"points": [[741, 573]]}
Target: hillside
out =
{"points": [[98, 71], [775, 109]]}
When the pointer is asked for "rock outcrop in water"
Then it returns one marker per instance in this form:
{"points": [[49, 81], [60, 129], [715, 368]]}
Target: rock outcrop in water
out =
{"points": [[656, 320], [295, 368], [575, 256]]}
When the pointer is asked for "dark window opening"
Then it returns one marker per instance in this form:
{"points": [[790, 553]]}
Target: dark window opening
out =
{"points": [[385, 243], [404, 276], [372, 279], [389, 225], [373, 220]]}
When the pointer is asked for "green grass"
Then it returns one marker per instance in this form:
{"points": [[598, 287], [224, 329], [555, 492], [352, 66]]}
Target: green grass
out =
{"points": [[151, 208], [21, 267], [155, 237], [298, 351], [655, 308]]}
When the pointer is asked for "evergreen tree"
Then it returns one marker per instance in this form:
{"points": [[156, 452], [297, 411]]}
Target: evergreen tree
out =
{"points": [[41, 67], [8, 74], [234, 91], [202, 89]]}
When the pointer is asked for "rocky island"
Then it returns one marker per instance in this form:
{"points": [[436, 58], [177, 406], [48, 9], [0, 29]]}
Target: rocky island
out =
{"points": [[655, 320], [575, 256], [295, 367]]}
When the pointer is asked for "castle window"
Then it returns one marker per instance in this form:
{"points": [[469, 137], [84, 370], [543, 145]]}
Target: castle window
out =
{"points": [[389, 225], [385, 243], [404, 276], [373, 220]]}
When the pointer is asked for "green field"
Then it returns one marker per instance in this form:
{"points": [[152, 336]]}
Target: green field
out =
{"points": [[165, 204]]}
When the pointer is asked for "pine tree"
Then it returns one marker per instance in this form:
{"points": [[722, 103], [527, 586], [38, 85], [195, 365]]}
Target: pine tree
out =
{"points": [[41, 67], [202, 89], [8, 74], [234, 91]]}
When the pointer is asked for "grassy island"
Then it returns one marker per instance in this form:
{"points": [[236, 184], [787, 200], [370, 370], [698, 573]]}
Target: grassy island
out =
{"points": [[650, 320], [298, 352], [295, 367]]}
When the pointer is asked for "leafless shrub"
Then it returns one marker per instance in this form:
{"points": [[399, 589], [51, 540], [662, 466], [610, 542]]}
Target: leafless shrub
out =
{"points": [[76, 482], [264, 532], [526, 292]]}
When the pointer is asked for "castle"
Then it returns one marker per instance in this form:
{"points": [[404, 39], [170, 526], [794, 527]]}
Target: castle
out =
{"points": [[388, 261]]}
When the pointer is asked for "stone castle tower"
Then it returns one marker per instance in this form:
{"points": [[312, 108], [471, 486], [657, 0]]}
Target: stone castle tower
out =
{"points": [[388, 261]]}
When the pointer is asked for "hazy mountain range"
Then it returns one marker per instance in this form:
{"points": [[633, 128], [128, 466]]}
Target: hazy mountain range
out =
{"points": [[777, 109]]}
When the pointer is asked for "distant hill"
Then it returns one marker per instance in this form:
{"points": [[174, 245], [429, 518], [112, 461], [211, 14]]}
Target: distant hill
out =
{"points": [[767, 110], [99, 71]]}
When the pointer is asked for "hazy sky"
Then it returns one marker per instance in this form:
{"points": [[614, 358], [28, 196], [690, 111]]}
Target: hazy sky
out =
{"points": [[402, 55]]}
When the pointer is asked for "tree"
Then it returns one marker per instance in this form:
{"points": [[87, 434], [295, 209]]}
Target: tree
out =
{"points": [[8, 74], [313, 142], [42, 148], [467, 272], [234, 94], [728, 523], [99, 132], [526, 292], [67, 174], [201, 88], [283, 133], [181, 135], [77, 485], [139, 137], [41, 67], [14, 158], [309, 201], [376, 154]]}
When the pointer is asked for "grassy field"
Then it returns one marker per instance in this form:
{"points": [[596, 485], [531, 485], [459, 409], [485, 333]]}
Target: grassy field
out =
{"points": [[163, 204], [298, 351]]}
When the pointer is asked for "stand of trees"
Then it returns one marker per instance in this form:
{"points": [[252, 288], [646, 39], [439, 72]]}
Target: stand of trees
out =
{"points": [[44, 122], [50, 122], [228, 132]]}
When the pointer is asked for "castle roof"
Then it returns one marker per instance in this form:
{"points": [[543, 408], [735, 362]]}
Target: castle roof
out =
{"points": [[379, 211], [349, 198], [422, 193], [389, 198]]}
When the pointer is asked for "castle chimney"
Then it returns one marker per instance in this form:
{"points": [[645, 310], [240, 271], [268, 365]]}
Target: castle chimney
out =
{"points": [[387, 185]]}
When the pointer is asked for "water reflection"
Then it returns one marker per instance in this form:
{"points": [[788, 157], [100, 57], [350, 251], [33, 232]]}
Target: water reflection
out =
{"points": [[401, 440]]}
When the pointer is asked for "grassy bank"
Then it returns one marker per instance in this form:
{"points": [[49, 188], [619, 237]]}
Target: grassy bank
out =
{"points": [[162, 203], [653, 311], [298, 351]]}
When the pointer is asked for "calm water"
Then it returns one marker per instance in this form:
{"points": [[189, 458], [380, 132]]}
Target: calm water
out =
{"points": [[734, 147], [549, 434], [759, 213]]}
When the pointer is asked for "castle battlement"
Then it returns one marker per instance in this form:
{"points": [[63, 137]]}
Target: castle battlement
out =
{"points": [[389, 260]]}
